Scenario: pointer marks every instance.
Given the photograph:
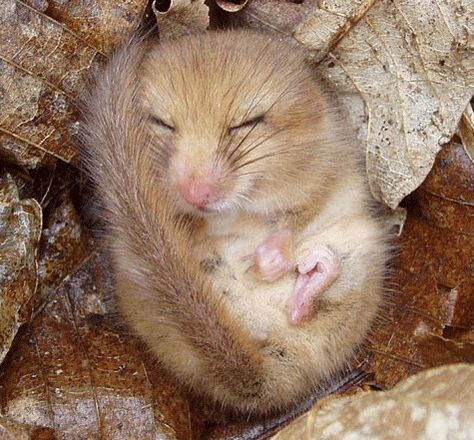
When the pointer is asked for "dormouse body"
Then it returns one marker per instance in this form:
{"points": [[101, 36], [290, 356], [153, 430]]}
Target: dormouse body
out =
{"points": [[245, 249]]}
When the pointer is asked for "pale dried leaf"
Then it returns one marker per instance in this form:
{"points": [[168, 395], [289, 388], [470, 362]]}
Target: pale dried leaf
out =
{"points": [[274, 16], [43, 66], [466, 131], [405, 74], [181, 17], [20, 230], [435, 404], [321, 30]]}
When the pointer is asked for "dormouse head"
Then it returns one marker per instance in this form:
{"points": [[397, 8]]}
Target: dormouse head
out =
{"points": [[238, 121]]}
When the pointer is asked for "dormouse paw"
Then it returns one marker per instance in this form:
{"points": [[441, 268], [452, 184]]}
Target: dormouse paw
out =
{"points": [[272, 256], [317, 271]]}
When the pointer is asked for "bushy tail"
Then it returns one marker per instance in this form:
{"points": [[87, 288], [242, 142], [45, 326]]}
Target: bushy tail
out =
{"points": [[149, 243]]}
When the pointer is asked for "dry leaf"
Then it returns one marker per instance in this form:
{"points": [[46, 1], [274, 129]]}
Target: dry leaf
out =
{"points": [[74, 373], [20, 229], [403, 70], [280, 16], [63, 243], [435, 404], [46, 51], [432, 296], [103, 24], [232, 5], [180, 17]]}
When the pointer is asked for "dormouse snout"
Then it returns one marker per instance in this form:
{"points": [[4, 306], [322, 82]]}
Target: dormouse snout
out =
{"points": [[197, 191], [199, 186]]}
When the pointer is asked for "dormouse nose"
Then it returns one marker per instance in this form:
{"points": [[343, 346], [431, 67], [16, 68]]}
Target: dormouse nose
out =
{"points": [[197, 191]]}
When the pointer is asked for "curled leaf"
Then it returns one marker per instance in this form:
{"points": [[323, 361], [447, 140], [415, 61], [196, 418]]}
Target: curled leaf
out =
{"points": [[405, 72], [180, 17], [232, 5]]}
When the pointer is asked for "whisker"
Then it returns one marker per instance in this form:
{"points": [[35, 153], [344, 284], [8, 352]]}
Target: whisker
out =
{"points": [[255, 145], [251, 106], [244, 138], [228, 117], [223, 148], [263, 156], [252, 147]]}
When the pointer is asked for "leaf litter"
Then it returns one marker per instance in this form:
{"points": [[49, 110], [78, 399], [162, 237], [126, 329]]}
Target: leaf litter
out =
{"points": [[77, 373]]}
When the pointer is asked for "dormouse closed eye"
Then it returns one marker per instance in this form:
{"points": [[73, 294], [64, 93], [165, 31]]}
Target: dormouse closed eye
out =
{"points": [[249, 123], [158, 121]]}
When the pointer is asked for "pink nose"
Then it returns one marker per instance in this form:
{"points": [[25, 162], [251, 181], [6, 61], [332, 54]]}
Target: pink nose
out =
{"points": [[197, 192]]}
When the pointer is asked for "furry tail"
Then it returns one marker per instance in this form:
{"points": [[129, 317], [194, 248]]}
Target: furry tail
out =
{"points": [[161, 289]]}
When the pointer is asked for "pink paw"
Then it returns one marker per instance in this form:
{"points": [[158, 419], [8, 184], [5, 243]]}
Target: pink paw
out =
{"points": [[271, 257], [317, 271]]}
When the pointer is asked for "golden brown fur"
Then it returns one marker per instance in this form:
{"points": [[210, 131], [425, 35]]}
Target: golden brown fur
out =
{"points": [[184, 282]]}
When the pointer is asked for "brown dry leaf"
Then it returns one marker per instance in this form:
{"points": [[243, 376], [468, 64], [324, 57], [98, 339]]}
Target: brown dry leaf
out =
{"points": [[429, 316], [438, 403], [403, 70], [20, 229], [46, 51], [180, 17], [63, 243], [72, 372], [101, 23]]}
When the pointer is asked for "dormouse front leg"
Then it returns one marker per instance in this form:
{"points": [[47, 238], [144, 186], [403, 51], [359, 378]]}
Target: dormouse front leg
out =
{"points": [[318, 267], [272, 257]]}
